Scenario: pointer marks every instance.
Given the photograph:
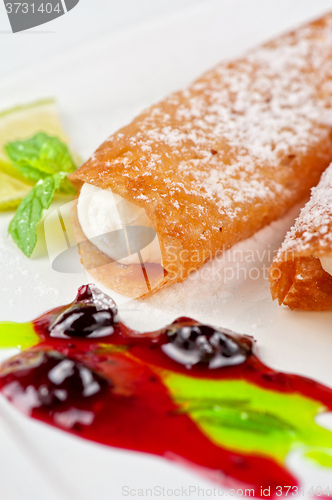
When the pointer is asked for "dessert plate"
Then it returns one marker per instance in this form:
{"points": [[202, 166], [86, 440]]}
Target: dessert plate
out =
{"points": [[99, 87]]}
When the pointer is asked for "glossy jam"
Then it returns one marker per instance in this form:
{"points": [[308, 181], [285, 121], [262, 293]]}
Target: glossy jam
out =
{"points": [[192, 392]]}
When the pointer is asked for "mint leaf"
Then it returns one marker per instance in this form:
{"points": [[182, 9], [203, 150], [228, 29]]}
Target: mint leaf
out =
{"points": [[238, 415], [66, 186], [40, 156], [24, 224], [45, 160], [245, 420]]}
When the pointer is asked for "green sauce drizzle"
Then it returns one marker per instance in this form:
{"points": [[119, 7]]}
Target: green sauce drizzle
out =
{"points": [[244, 417], [20, 335]]}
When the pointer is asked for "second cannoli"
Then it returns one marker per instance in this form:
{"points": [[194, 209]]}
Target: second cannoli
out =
{"points": [[301, 275]]}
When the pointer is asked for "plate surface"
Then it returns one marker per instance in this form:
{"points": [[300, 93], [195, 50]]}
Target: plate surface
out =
{"points": [[100, 87]]}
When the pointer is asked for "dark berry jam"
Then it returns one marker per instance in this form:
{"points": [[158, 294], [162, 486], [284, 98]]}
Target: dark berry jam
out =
{"points": [[49, 381], [91, 314], [190, 344], [191, 392]]}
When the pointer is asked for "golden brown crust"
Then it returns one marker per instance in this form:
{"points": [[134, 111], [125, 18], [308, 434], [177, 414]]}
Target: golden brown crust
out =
{"points": [[296, 276], [302, 284], [216, 162]]}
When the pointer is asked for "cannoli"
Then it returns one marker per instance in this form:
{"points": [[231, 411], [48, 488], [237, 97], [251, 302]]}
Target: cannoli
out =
{"points": [[212, 164], [301, 274]]}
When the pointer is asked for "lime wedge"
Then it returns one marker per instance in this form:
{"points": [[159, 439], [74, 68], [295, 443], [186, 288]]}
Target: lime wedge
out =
{"points": [[11, 191], [20, 123], [25, 121]]}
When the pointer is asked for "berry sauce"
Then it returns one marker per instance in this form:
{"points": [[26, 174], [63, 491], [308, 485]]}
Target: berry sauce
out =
{"points": [[190, 392]]}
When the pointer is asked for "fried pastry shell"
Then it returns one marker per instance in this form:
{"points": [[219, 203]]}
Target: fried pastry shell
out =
{"points": [[297, 277], [216, 162]]}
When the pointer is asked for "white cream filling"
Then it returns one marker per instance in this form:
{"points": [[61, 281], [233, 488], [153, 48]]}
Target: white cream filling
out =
{"points": [[326, 263], [102, 214]]}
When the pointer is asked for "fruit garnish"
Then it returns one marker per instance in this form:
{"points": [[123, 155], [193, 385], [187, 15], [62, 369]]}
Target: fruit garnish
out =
{"points": [[22, 122], [12, 191], [33, 152]]}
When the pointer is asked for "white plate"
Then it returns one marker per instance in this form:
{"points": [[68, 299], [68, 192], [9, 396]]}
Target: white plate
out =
{"points": [[100, 87]]}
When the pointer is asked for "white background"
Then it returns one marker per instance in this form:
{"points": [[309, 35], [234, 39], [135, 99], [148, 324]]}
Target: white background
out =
{"points": [[104, 61], [87, 21]]}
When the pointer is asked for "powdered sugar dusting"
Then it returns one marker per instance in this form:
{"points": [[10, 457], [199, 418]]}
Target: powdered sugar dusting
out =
{"points": [[28, 287], [314, 221], [224, 136]]}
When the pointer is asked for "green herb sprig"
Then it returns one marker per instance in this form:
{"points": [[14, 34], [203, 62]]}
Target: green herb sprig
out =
{"points": [[46, 161]]}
